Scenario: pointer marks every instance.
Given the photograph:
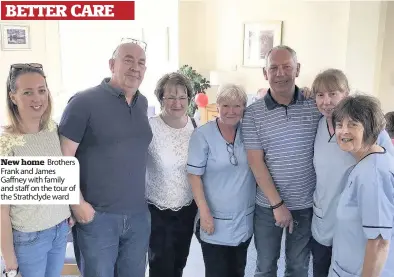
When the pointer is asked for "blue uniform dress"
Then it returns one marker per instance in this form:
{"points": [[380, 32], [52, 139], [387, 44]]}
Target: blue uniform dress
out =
{"points": [[229, 189], [365, 211]]}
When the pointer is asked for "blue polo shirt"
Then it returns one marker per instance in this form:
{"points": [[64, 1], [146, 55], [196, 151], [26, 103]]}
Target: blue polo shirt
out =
{"points": [[113, 142], [365, 211], [229, 189]]}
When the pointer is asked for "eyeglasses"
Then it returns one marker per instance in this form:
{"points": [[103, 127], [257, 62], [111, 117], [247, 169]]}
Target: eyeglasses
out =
{"points": [[141, 43], [173, 99], [230, 150], [20, 66]]}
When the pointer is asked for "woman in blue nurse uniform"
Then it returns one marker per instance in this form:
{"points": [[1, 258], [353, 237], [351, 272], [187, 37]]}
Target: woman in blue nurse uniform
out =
{"points": [[365, 214], [223, 186]]}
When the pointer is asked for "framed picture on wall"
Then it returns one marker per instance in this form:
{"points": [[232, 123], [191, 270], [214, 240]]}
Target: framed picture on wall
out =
{"points": [[259, 38], [15, 37]]}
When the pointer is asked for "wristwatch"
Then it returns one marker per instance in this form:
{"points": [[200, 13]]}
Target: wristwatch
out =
{"points": [[11, 273]]}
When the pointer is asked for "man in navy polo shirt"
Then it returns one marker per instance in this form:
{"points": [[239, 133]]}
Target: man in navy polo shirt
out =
{"points": [[106, 127], [279, 132]]}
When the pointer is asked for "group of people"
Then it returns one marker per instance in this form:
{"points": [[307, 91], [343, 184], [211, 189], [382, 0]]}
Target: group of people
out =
{"points": [[316, 164]]}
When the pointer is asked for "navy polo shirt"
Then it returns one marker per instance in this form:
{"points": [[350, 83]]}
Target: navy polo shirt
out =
{"points": [[113, 139]]}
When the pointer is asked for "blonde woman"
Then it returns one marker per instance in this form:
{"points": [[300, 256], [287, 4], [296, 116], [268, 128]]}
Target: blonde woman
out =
{"points": [[33, 237], [224, 187]]}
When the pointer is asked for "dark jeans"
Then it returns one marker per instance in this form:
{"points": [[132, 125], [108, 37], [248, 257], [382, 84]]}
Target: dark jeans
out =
{"points": [[222, 260], [112, 245], [171, 235], [321, 258], [268, 238]]}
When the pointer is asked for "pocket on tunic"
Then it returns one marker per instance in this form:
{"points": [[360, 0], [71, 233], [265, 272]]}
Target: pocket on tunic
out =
{"points": [[340, 271], [223, 229], [318, 212]]}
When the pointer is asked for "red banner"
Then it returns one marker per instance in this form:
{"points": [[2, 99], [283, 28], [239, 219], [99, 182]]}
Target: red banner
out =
{"points": [[67, 10]]}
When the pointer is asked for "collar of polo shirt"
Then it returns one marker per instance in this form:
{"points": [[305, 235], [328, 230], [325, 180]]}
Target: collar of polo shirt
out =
{"points": [[272, 104], [118, 92]]}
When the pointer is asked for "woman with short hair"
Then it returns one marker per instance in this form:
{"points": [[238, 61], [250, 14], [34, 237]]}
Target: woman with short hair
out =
{"points": [[33, 237], [365, 213], [168, 191], [223, 186]]}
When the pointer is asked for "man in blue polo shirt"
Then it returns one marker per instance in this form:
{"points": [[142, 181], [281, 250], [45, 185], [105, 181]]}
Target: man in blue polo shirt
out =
{"points": [[279, 132], [106, 127]]}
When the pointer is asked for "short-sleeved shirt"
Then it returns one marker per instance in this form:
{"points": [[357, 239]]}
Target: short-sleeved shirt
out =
{"points": [[229, 189], [331, 165], [365, 211], [286, 134], [113, 139]]}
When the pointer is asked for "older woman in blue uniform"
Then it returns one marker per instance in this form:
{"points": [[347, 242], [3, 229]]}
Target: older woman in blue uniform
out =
{"points": [[365, 214], [223, 187]]}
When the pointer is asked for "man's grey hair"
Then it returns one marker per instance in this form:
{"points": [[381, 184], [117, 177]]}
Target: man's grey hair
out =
{"points": [[281, 47], [364, 109]]}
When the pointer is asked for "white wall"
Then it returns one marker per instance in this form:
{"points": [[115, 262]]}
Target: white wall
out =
{"points": [[364, 45], [386, 78]]}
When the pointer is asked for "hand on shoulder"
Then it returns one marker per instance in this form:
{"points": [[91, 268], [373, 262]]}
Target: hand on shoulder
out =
{"points": [[307, 92]]}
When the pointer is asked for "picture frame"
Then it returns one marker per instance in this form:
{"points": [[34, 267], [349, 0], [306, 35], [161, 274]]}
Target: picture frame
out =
{"points": [[259, 38], [15, 37]]}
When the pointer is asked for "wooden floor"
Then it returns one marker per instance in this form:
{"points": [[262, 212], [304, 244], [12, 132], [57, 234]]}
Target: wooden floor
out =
{"points": [[70, 269]]}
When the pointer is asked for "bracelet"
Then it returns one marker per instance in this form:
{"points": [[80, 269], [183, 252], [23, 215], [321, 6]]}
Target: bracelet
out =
{"points": [[277, 205]]}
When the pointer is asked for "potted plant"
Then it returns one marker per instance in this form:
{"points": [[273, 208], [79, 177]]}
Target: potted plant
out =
{"points": [[199, 83]]}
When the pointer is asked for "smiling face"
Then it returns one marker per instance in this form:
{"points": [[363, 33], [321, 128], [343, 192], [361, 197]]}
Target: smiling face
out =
{"points": [[175, 101], [350, 135], [329, 88], [326, 101], [31, 96], [231, 111], [281, 71], [128, 66]]}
